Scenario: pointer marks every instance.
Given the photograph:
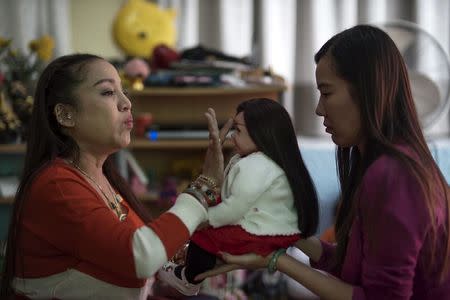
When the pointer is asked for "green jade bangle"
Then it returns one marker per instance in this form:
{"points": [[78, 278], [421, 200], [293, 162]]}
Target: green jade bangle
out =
{"points": [[272, 267]]}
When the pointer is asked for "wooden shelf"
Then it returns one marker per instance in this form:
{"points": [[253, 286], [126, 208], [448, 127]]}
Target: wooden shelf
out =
{"points": [[12, 148], [187, 105]]}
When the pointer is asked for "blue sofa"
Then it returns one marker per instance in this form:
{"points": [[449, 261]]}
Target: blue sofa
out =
{"points": [[319, 157]]}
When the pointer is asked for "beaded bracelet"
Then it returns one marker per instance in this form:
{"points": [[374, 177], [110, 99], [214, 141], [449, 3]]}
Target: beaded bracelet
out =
{"points": [[272, 266], [208, 180], [206, 186], [208, 194], [197, 195]]}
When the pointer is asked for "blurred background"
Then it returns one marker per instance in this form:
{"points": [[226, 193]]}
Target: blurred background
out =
{"points": [[280, 35]]}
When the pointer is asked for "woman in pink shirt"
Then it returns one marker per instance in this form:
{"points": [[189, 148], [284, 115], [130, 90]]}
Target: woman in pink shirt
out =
{"points": [[392, 228]]}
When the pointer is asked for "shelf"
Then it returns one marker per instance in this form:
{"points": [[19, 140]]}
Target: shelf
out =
{"points": [[188, 91], [12, 148], [187, 105], [141, 144], [6, 200]]}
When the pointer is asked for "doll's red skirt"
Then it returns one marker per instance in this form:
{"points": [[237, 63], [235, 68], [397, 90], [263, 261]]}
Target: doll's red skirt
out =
{"points": [[235, 240]]}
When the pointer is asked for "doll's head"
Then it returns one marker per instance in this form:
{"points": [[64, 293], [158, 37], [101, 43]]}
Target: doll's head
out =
{"points": [[268, 125]]}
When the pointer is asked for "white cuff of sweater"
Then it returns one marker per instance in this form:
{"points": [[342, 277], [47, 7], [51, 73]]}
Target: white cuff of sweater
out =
{"points": [[189, 211], [148, 250]]}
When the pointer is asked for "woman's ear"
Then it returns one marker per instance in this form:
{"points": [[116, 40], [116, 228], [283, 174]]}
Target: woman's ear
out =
{"points": [[65, 115]]}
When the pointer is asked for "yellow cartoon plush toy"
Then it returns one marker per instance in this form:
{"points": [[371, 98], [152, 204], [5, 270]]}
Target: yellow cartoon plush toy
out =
{"points": [[141, 25]]}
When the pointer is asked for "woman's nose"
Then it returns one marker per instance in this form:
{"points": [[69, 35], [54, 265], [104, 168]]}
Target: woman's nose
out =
{"points": [[319, 109], [125, 103]]}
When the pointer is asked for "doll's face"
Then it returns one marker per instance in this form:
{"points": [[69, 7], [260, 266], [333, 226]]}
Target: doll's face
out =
{"points": [[242, 141]]}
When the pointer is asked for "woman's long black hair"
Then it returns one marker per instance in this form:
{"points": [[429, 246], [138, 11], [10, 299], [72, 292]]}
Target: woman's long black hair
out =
{"points": [[270, 127], [56, 84], [368, 59]]}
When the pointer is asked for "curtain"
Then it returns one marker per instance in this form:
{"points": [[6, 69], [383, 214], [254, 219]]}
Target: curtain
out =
{"points": [[433, 16], [320, 19], [25, 20], [284, 35]]}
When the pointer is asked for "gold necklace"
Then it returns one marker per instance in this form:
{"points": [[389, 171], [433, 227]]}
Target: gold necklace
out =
{"points": [[115, 205]]}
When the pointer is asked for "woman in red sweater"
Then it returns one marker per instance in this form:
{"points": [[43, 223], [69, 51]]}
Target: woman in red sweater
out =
{"points": [[393, 225], [77, 230]]}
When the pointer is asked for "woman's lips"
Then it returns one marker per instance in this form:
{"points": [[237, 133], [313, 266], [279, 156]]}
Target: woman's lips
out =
{"points": [[129, 123], [328, 128]]}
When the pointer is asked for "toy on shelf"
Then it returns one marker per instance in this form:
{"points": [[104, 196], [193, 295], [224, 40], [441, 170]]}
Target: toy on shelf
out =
{"points": [[135, 71], [143, 122], [163, 56], [136, 67], [141, 25]]}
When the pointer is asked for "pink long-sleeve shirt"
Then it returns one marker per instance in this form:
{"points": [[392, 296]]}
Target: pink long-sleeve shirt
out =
{"points": [[389, 244]]}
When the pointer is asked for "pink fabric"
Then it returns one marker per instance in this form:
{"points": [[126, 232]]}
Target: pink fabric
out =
{"points": [[392, 263]]}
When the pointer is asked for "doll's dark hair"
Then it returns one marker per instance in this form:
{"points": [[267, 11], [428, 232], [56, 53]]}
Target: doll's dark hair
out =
{"points": [[270, 127]]}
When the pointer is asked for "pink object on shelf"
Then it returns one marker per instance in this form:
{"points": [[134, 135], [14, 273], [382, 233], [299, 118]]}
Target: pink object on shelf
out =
{"points": [[137, 67]]}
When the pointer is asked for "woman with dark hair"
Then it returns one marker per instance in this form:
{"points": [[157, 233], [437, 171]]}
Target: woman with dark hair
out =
{"points": [[77, 230], [393, 222], [268, 198]]}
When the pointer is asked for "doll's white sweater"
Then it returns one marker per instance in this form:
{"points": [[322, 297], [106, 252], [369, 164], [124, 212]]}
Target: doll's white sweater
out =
{"points": [[256, 195]]}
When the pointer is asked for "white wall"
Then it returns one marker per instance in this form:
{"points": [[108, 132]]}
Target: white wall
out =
{"points": [[91, 27]]}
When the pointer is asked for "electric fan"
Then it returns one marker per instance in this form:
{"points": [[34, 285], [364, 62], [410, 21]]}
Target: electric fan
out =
{"points": [[428, 67]]}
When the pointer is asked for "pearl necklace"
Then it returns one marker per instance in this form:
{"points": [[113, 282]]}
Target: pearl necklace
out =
{"points": [[115, 205]]}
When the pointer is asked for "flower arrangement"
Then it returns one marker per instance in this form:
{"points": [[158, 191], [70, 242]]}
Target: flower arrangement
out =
{"points": [[18, 73]]}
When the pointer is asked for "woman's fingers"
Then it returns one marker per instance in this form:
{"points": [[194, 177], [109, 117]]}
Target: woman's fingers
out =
{"points": [[213, 164], [249, 261], [217, 271], [212, 126], [225, 129], [216, 135]]}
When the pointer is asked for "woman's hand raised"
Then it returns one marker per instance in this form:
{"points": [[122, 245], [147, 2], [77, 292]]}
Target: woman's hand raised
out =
{"points": [[213, 165]]}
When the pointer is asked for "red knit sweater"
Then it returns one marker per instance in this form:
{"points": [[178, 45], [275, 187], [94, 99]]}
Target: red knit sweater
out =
{"points": [[66, 225]]}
